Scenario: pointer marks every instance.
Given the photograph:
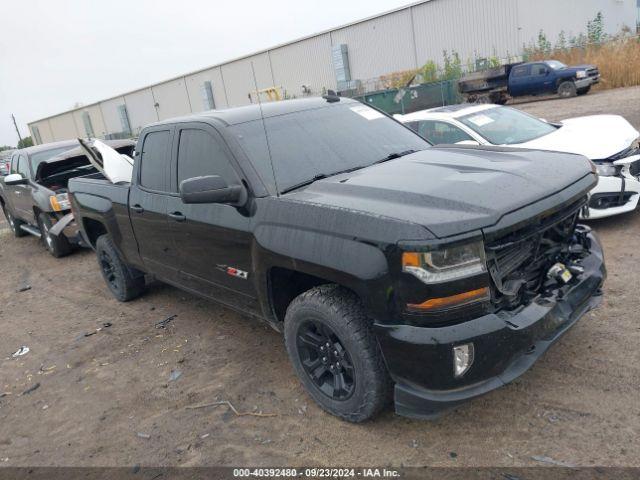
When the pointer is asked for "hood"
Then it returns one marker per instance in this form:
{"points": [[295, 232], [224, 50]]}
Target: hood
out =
{"points": [[114, 166], [451, 190], [597, 137]]}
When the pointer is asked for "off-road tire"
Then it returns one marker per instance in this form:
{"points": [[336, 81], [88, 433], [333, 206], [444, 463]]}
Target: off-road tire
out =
{"points": [[567, 90], [583, 91], [342, 312], [57, 246], [14, 223], [124, 282]]}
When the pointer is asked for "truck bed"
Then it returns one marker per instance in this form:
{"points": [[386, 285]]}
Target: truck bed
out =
{"points": [[486, 80]]}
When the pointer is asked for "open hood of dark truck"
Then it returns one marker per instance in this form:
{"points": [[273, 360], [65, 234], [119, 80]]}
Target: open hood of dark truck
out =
{"points": [[454, 189]]}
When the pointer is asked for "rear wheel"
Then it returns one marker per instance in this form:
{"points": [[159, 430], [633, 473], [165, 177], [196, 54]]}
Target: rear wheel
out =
{"points": [[14, 223], [567, 90], [124, 282], [57, 246], [335, 354]]}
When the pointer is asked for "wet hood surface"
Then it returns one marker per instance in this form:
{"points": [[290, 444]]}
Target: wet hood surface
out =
{"points": [[450, 190]]}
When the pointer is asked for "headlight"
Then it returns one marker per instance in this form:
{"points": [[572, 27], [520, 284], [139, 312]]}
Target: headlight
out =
{"points": [[446, 264], [607, 169], [60, 202], [581, 74]]}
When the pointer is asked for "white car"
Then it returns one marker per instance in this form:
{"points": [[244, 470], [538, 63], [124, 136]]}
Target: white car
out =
{"points": [[608, 140]]}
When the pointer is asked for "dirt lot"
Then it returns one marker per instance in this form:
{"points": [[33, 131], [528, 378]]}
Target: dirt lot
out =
{"points": [[107, 398]]}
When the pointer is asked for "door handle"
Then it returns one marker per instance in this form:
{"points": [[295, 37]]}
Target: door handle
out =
{"points": [[137, 208], [177, 216]]}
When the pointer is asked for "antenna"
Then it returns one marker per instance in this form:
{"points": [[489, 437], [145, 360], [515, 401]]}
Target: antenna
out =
{"points": [[264, 127]]}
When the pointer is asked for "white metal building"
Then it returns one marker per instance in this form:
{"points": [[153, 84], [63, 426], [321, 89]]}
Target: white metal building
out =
{"points": [[398, 40]]}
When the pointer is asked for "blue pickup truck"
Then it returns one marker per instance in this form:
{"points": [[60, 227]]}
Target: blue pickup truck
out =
{"points": [[549, 77]]}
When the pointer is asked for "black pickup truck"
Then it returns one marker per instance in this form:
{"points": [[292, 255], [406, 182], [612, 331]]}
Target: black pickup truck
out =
{"points": [[390, 266]]}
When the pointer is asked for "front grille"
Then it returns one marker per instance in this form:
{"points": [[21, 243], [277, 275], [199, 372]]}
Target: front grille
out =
{"points": [[593, 72], [518, 262]]}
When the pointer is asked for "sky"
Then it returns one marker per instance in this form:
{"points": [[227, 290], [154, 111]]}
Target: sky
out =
{"points": [[55, 54]]}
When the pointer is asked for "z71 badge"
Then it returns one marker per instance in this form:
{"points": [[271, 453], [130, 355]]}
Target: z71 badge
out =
{"points": [[234, 272]]}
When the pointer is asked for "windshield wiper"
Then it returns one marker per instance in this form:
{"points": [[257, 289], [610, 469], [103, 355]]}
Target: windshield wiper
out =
{"points": [[320, 176], [394, 155], [315, 178]]}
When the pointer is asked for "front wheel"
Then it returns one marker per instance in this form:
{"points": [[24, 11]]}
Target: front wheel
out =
{"points": [[335, 354], [14, 223], [124, 282], [567, 90], [57, 246]]}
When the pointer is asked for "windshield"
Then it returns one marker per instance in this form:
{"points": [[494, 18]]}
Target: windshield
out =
{"points": [[556, 65], [39, 157], [321, 142], [506, 126]]}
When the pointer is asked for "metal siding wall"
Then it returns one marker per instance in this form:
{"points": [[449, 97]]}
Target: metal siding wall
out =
{"points": [[553, 16], [307, 62], [473, 28], [238, 78], [172, 99], [96, 120], [45, 131], [194, 87], [110, 112], [378, 46], [141, 110], [63, 127]]}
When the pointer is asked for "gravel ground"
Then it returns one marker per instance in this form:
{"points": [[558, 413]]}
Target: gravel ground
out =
{"points": [[108, 399]]}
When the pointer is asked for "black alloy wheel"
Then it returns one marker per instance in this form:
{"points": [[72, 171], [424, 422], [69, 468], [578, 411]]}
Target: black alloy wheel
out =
{"points": [[325, 360], [109, 271]]}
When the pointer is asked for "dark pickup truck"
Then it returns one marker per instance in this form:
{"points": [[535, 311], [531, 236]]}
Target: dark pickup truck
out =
{"points": [[497, 85], [34, 194], [392, 267]]}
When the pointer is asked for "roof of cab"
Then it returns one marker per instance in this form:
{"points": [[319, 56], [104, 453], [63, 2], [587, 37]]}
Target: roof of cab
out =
{"points": [[236, 115], [47, 146]]}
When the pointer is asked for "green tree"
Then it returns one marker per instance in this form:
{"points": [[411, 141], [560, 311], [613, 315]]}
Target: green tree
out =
{"points": [[429, 72], [452, 65], [25, 142], [544, 45], [595, 29], [561, 44]]}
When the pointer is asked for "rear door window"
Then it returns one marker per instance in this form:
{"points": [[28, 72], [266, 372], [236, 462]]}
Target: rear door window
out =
{"points": [[521, 71], [202, 153], [154, 161]]}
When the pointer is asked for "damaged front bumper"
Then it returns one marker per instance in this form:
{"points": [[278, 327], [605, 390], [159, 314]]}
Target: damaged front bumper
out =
{"points": [[68, 227], [612, 195], [506, 344]]}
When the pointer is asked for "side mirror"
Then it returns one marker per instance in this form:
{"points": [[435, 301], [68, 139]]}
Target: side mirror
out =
{"points": [[211, 189], [15, 179], [468, 142]]}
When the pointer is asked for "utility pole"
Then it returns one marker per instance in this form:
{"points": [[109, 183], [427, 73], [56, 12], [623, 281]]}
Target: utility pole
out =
{"points": [[16, 125]]}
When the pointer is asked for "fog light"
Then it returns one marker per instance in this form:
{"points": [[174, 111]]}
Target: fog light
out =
{"points": [[462, 359]]}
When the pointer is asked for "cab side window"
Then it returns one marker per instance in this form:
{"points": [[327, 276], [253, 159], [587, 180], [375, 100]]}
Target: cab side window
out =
{"points": [[23, 166], [154, 160], [14, 164], [202, 153]]}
